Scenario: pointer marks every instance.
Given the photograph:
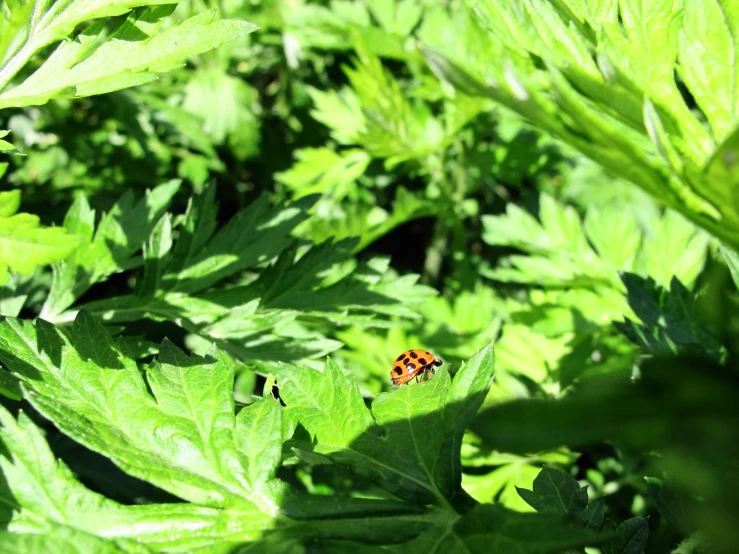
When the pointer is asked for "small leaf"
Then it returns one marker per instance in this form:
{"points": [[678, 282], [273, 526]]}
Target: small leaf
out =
{"points": [[592, 517], [258, 434], [405, 445], [631, 536], [25, 243], [556, 492], [10, 202]]}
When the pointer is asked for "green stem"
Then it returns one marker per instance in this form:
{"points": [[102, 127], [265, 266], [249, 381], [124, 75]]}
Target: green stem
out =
{"points": [[436, 251], [15, 64]]}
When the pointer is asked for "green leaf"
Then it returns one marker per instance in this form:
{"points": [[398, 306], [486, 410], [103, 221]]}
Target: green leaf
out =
{"points": [[322, 283], [670, 322], [511, 472], [227, 106], [6, 148], [410, 442], [592, 516], [631, 537], [10, 202], [268, 314], [176, 430], [43, 497], [259, 428], [192, 402], [578, 71], [560, 248], [107, 248], [96, 62], [66, 540], [709, 45], [368, 222], [24, 242], [324, 171], [556, 492], [255, 235]]}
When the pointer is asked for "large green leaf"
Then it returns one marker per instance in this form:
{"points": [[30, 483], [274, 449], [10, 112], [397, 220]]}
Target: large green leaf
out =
{"points": [[409, 443], [173, 425]]}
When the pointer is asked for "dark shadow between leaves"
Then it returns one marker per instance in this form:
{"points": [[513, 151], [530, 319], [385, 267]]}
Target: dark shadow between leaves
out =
{"points": [[684, 409]]}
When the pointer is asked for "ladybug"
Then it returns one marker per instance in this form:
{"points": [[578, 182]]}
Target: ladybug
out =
{"points": [[412, 363]]}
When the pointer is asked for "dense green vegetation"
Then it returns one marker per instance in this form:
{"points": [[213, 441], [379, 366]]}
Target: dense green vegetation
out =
{"points": [[222, 221]]}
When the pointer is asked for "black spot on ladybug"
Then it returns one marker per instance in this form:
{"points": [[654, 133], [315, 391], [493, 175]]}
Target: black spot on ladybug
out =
{"points": [[405, 362], [427, 352], [400, 357], [414, 355], [410, 367], [422, 361], [397, 370]]}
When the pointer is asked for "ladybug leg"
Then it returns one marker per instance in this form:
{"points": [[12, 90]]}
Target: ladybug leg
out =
{"points": [[416, 378]]}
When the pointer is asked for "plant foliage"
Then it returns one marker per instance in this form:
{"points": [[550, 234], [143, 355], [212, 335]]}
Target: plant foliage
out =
{"points": [[221, 221]]}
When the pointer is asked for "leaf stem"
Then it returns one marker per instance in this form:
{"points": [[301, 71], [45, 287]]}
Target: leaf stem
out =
{"points": [[15, 64]]}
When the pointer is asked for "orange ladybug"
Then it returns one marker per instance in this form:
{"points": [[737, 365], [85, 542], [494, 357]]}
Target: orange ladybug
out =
{"points": [[412, 363]]}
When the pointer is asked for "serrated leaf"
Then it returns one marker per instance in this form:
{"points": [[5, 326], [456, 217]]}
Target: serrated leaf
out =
{"points": [[561, 255], [107, 248], [253, 236], [95, 63], [43, 499], [26, 244], [324, 171], [227, 106], [269, 317], [556, 492], [675, 401], [192, 403], [259, 428], [579, 72], [409, 444], [66, 540], [322, 283], [670, 322]]}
